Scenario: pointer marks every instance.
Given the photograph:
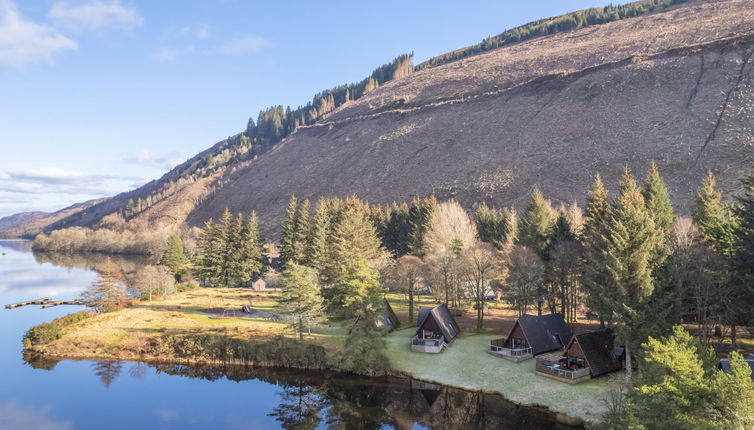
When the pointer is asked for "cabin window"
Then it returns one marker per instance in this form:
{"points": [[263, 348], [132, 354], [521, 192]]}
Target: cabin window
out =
{"points": [[518, 342]]}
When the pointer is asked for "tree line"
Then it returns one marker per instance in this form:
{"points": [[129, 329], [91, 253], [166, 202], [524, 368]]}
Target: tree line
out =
{"points": [[544, 27]]}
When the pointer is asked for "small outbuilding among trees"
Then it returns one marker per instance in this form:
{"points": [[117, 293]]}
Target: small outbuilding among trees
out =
{"points": [[435, 329], [388, 319], [587, 355], [533, 335]]}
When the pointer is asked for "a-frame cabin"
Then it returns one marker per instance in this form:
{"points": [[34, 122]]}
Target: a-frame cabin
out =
{"points": [[532, 335], [435, 329]]}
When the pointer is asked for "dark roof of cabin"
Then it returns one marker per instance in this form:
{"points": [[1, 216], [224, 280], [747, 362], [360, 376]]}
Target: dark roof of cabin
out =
{"points": [[541, 331], [444, 320], [597, 347], [724, 365], [389, 318]]}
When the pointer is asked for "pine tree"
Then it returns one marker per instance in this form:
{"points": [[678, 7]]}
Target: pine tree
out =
{"points": [[744, 250], [174, 258], [597, 206], [318, 243], [290, 236], [302, 231], [627, 248], [210, 258], [495, 226], [253, 246], [354, 235], [300, 297], [657, 200], [536, 223], [715, 219], [419, 214]]}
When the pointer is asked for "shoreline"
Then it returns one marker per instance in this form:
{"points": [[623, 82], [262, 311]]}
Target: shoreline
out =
{"points": [[174, 330], [559, 416]]}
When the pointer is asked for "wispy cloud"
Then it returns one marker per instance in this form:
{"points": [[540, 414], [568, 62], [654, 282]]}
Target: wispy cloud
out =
{"points": [[95, 16], [197, 40], [14, 416], [146, 157], [53, 180], [23, 41], [244, 45]]}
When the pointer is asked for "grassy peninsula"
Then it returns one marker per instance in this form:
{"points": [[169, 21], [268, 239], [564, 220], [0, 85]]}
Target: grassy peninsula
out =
{"points": [[205, 325]]}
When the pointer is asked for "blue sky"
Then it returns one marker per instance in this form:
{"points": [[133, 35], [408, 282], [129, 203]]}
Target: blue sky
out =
{"points": [[98, 96]]}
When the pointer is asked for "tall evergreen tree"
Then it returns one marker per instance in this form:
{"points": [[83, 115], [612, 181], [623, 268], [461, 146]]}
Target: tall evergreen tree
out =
{"points": [[497, 227], [318, 243], [302, 231], [657, 199], [715, 219], [300, 297], [536, 223], [627, 247], [419, 215], [354, 236], [209, 258], [744, 250], [597, 206], [251, 248], [290, 236], [174, 258]]}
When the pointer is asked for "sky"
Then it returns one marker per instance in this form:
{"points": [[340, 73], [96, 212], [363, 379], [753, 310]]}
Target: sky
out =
{"points": [[100, 96]]}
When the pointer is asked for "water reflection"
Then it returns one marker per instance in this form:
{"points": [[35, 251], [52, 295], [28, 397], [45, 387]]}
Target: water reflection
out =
{"points": [[92, 260], [107, 371], [14, 416], [336, 401]]}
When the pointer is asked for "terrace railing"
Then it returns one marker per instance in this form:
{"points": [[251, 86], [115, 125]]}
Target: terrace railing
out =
{"points": [[513, 352], [426, 342], [562, 373]]}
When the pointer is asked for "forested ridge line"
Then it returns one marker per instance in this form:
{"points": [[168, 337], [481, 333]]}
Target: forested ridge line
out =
{"points": [[746, 39], [553, 25]]}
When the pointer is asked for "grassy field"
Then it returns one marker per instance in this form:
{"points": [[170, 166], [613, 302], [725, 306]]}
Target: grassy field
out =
{"points": [[125, 334], [465, 364]]}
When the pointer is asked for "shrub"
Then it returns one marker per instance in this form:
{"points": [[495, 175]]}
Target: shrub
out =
{"points": [[45, 333]]}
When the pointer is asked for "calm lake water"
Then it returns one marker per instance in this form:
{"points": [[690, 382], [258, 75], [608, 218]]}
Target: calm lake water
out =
{"points": [[42, 394]]}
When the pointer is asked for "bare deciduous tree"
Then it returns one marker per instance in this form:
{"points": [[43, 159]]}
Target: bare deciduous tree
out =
{"points": [[482, 264], [405, 276], [525, 273], [450, 231]]}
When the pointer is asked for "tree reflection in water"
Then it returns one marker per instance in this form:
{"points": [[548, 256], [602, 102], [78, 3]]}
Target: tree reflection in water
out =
{"points": [[309, 399]]}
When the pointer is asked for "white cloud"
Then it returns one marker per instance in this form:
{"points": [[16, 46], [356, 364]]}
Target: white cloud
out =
{"points": [[146, 157], [25, 42], [169, 54], [14, 416], [95, 15], [198, 31], [53, 180], [246, 44]]}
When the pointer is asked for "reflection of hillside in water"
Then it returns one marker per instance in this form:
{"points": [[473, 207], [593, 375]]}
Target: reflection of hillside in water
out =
{"points": [[17, 245], [92, 260], [308, 399]]}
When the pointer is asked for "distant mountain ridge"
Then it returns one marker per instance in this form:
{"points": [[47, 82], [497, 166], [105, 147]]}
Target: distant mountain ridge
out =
{"points": [[671, 87]]}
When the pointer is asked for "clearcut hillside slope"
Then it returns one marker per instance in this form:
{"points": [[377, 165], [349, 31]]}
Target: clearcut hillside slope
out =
{"points": [[672, 88]]}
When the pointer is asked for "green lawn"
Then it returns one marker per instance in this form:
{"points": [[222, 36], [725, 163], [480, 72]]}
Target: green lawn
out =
{"points": [[466, 364]]}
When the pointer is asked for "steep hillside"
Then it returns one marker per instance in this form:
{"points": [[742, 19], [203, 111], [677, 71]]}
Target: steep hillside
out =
{"points": [[672, 87], [29, 224]]}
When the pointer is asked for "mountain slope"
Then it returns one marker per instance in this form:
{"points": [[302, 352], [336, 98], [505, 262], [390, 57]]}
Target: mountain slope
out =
{"points": [[28, 224], [672, 87]]}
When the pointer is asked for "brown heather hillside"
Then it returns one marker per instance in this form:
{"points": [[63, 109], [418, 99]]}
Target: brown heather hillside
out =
{"points": [[673, 87]]}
